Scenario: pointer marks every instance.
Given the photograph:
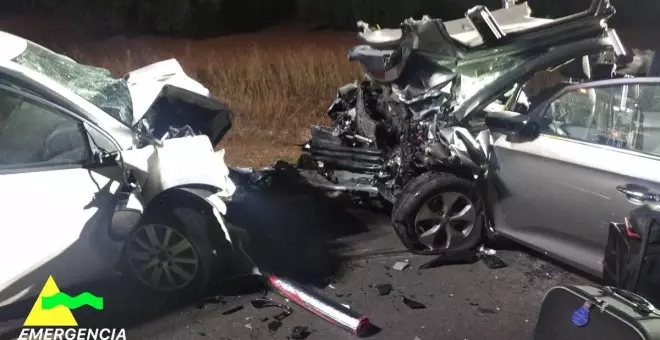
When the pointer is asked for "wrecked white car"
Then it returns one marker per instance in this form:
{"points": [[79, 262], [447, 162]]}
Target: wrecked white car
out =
{"points": [[99, 174]]}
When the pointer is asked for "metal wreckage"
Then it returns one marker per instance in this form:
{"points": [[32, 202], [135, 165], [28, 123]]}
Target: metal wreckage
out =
{"points": [[421, 121]]}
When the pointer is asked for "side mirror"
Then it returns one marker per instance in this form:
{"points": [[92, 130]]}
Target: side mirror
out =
{"points": [[514, 125]]}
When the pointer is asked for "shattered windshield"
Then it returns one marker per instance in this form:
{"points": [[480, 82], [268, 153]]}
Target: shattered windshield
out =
{"points": [[95, 84], [473, 79]]}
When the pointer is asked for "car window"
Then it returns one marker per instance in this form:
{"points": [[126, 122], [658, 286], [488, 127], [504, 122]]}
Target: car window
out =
{"points": [[34, 134], [623, 116]]}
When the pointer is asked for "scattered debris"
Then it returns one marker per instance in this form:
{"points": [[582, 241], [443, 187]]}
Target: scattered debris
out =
{"points": [[412, 304], [331, 286], [274, 325], [299, 332], [400, 265], [417, 338], [486, 310], [384, 289], [494, 262], [232, 310], [248, 326], [467, 257], [264, 302], [458, 257], [486, 251]]}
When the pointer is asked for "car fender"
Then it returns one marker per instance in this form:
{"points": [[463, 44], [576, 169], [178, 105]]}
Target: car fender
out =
{"points": [[207, 196], [458, 139]]}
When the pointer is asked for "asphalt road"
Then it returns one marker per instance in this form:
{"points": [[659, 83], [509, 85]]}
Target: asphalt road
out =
{"points": [[462, 302], [353, 250]]}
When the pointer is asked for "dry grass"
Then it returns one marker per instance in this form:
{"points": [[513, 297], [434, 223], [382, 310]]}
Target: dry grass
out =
{"points": [[276, 83]]}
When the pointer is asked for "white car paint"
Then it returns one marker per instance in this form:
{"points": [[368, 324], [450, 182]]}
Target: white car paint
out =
{"points": [[12, 46], [51, 223], [146, 83], [47, 223]]}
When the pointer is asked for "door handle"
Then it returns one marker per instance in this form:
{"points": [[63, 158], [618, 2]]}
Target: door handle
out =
{"points": [[638, 194]]}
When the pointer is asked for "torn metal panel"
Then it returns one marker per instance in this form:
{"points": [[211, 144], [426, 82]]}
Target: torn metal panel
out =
{"points": [[512, 19], [146, 83], [180, 161], [500, 85]]}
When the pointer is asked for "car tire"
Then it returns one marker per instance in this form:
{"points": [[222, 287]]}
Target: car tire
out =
{"points": [[422, 232], [190, 262]]}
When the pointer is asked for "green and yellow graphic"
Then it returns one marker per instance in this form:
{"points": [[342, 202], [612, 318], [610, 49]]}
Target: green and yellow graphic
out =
{"points": [[53, 308]]}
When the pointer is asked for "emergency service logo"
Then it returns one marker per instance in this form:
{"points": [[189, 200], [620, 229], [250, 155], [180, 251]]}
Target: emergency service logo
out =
{"points": [[51, 317]]}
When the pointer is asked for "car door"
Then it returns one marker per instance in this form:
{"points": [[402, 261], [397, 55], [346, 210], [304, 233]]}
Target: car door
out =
{"points": [[54, 205], [558, 193]]}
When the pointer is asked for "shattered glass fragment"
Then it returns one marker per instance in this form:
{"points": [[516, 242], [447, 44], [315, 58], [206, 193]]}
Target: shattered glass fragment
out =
{"points": [[94, 84]]}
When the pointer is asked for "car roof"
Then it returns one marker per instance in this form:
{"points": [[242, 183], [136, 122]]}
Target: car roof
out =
{"points": [[12, 46]]}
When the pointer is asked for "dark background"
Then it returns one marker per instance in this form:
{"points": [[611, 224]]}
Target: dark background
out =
{"points": [[212, 17]]}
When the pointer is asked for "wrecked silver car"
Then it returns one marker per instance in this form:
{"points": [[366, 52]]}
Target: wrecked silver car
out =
{"points": [[414, 133], [101, 173]]}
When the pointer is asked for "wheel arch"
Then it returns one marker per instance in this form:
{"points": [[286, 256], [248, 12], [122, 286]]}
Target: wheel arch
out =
{"points": [[198, 214], [195, 209]]}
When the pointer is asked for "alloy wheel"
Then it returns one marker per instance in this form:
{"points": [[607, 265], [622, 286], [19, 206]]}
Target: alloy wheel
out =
{"points": [[162, 258], [445, 220]]}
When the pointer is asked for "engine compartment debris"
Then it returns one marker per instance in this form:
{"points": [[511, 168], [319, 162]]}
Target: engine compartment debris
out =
{"points": [[232, 310]]}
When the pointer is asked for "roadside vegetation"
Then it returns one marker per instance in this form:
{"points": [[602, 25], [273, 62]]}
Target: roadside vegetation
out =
{"points": [[277, 83]]}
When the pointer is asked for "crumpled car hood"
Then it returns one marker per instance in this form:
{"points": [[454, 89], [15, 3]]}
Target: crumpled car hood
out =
{"points": [[146, 83], [164, 97]]}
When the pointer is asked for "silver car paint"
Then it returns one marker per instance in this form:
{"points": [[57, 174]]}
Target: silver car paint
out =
{"points": [[558, 195]]}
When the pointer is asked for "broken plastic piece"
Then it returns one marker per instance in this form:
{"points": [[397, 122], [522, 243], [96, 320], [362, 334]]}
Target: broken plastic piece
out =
{"points": [[413, 304], [263, 303], [299, 332], [494, 262], [487, 251], [232, 310], [459, 257], [274, 325], [400, 265], [383, 289]]}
